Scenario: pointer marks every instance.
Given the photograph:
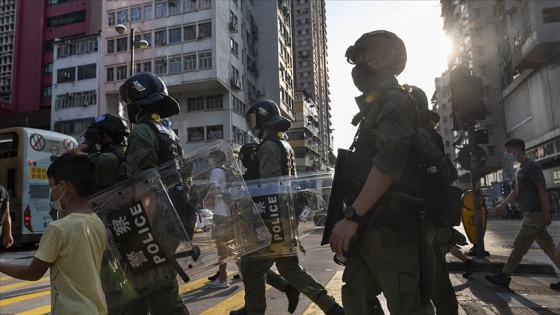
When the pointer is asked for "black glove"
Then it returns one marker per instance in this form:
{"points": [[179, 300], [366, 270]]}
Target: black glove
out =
{"points": [[93, 136]]}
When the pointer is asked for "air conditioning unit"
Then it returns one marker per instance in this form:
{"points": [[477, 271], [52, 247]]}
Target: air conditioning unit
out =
{"points": [[162, 42], [236, 84], [260, 93], [201, 35]]}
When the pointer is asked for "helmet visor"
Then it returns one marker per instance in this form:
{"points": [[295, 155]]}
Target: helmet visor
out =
{"points": [[252, 120]]}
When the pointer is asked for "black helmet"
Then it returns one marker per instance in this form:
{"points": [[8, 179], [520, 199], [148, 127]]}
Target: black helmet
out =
{"points": [[389, 44], [148, 93], [266, 113], [112, 125], [248, 155], [426, 115]]}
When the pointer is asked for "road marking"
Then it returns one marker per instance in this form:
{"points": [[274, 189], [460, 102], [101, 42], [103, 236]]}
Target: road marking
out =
{"points": [[5, 278], [232, 303], [333, 287], [197, 284], [37, 311], [23, 297], [22, 284]]}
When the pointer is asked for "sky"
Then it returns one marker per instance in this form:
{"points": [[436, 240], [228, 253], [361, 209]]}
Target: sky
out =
{"points": [[418, 23]]}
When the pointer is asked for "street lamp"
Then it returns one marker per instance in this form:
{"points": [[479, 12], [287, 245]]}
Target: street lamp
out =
{"points": [[121, 29]]}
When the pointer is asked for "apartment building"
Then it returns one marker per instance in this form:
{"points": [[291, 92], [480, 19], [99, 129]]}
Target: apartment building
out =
{"points": [[531, 72], [7, 24], [310, 47], [515, 47], [29, 55], [303, 135], [211, 57]]}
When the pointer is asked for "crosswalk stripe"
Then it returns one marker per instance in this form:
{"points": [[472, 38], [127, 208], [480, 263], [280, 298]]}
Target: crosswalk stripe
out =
{"points": [[5, 278], [193, 285], [22, 284], [232, 303], [23, 297], [333, 287], [37, 311]]}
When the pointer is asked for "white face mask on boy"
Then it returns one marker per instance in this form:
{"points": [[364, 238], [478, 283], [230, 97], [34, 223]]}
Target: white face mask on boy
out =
{"points": [[55, 204]]}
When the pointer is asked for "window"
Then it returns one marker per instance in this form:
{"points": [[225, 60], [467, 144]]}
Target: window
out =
{"points": [[137, 67], [161, 9], [491, 150], [215, 132], [72, 126], [195, 134], [205, 60], [77, 99], [122, 44], [147, 12], [214, 102], [205, 28], [47, 68], [195, 104], [111, 46], [110, 74], [47, 92], [135, 14], [87, 72], [148, 38], [175, 7], [122, 16], [65, 19], [121, 72], [160, 66], [189, 32], [238, 106], [175, 64], [161, 38], [234, 47], [111, 18], [175, 35], [205, 4], [148, 66], [189, 62], [238, 134], [66, 75]]}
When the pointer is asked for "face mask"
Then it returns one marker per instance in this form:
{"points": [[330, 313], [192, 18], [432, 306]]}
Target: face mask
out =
{"points": [[510, 156], [364, 77], [55, 204]]}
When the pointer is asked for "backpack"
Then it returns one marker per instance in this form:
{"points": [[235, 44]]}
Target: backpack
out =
{"points": [[428, 176], [425, 183]]}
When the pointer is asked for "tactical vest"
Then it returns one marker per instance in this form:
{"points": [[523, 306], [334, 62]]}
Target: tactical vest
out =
{"points": [[169, 145], [289, 159]]}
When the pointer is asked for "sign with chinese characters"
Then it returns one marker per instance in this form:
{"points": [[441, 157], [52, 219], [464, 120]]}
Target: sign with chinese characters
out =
{"points": [[135, 240], [269, 209]]}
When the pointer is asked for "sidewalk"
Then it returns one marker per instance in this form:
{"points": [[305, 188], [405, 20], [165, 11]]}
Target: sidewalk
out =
{"points": [[528, 293]]}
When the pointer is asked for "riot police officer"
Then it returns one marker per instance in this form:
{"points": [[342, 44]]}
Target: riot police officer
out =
{"points": [[151, 143], [276, 158], [381, 236]]}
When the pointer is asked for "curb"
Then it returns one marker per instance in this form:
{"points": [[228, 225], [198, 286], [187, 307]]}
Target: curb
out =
{"points": [[496, 264]]}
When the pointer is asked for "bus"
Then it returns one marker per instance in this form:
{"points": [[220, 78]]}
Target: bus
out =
{"points": [[25, 155]]}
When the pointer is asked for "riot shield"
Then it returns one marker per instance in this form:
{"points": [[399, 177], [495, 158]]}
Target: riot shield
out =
{"points": [[215, 183], [279, 201], [147, 230], [144, 237]]}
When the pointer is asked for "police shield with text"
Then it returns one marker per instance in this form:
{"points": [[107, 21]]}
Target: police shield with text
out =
{"points": [[272, 196]]}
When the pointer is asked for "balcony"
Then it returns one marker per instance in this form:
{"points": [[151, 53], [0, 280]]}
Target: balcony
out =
{"points": [[537, 48]]}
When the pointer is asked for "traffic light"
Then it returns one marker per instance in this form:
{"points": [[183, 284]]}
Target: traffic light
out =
{"points": [[466, 97]]}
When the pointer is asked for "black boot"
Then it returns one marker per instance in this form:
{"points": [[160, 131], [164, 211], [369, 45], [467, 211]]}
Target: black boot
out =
{"points": [[293, 298], [469, 268]]}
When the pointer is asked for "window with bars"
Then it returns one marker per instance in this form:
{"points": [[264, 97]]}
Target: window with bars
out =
{"points": [[175, 35], [189, 62], [175, 64], [215, 132], [205, 60], [205, 28], [189, 32], [195, 134], [161, 9], [66, 75], [214, 102], [195, 104], [87, 72]]}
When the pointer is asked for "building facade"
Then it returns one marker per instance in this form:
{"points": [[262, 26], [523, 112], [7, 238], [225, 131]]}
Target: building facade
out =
{"points": [[515, 47], [36, 26]]}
